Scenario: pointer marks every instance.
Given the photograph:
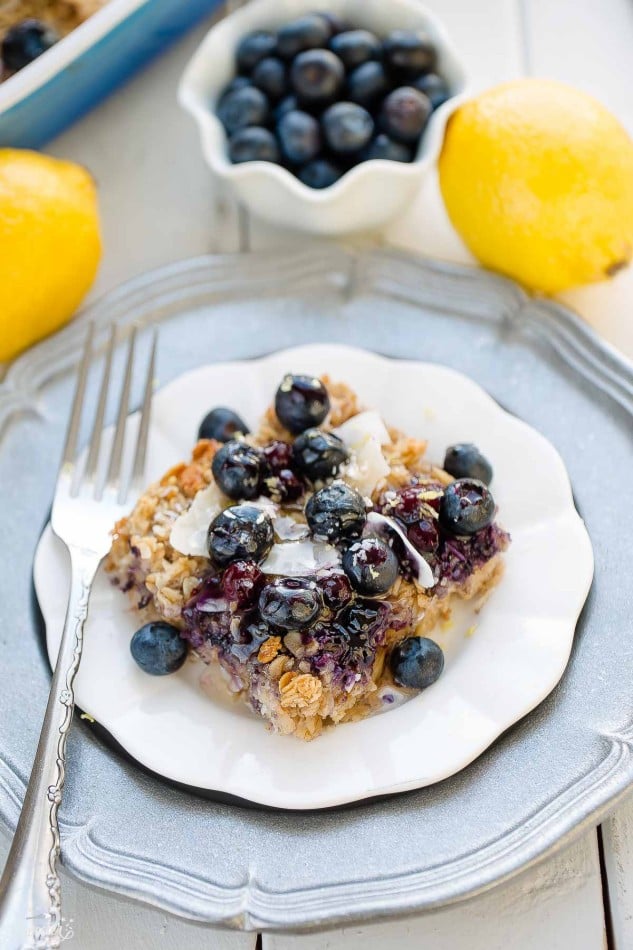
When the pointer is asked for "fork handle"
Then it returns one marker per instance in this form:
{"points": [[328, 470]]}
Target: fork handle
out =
{"points": [[30, 890]]}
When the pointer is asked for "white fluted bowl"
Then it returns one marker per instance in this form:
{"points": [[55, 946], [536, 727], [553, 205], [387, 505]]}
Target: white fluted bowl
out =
{"points": [[368, 195]]}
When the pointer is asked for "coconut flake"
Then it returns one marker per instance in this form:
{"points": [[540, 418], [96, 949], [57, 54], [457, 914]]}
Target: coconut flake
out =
{"points": [[300, 558], [189, 530], [383, 524], [363, 435]]}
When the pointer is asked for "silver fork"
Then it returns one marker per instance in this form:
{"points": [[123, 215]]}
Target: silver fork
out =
{"points": [[90, 496]]}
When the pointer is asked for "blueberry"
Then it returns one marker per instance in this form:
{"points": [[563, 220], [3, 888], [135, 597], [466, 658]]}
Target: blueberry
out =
{"points": [[336, 23], [409, 53], [284, 487], [336, 590], [290, 603], [385, 148], [158, 648], [404, 114], [467, 507], [365, 618], [237, 469], [464, 460], [371, 566], [222, 424], [270, 76], [434, 87], [317, 76], [424, 535], [288, 104], [278, 456], [238, 82], [253, 145], [253, 48], [242, 108], [319, 455], [24, 42], [301, 402], [355, 47], [242, 582], [321, 173], [347, 127], [367, 83], [308, 32], [336, 513], [240, 533], [416, 662], [299, 137]]}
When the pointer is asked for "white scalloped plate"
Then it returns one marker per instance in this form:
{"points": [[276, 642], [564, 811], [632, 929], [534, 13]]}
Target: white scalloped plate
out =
{"points": [[494, 675]]}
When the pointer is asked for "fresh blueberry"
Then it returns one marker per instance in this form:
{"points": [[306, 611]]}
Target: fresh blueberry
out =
{"points": [[434, 87], [253, 145], [24, 42], [319, 455], [237, 469], [222, 424], [367, 83], [270, 76], [354, 47], [288, 104], [317, 76], [253, 48], [290, 603], [336, 513], [347, 127], [301, 402], [158, 648], [385, 148], [240, 533], [365, 618], [238, 82], [321, 173], [464, 460], [299, 137], [371, 566], [242, 108], [467, 507], [416, 662], [404, 114], [336, 590], [242, 582], [409, 53], [336, 23], [308, 32]]}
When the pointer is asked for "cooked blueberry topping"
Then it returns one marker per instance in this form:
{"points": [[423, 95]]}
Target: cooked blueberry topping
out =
{"points": [[464, 460], [365, 618], [290, 603], [321, 173], [336, 513], [371, 566], [242, 108], [317, 76], [240, 533], [336, 590], [25, 41], [270, 76], [242, 582], [301, 402], [347, 127], [222, 424], [416, 662], [278, 456], [384, 147], [434, 87], [253, 145], [158, 648], [237, 469], [285, 486], [354, 47], [467, 507], [409, 53], [307, 32], [404, 114], [366, 83], [424, 535], [319, 455], [247, 637], [253, 48], [299, 137]]}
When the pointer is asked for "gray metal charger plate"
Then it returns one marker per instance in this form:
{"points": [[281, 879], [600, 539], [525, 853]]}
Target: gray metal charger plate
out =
{"points": [[557, 771]]}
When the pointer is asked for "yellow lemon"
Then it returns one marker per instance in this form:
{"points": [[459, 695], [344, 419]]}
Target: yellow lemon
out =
{"points": [[537, 178], [50, 245]]}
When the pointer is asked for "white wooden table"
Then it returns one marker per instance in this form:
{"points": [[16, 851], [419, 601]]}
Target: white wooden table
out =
{"points": [[159, 204]]}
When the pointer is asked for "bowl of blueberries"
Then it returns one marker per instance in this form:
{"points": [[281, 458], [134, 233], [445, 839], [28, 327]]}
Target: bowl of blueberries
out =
{"points": [[324, 120]]}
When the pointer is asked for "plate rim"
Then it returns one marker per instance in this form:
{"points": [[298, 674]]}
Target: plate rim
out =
{"points": [[249, 906]]}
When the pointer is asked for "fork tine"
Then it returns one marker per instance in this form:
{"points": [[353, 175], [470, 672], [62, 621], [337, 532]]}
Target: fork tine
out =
{"points": [[72, 435], [119, 435], [138, 467], [95, 439]]}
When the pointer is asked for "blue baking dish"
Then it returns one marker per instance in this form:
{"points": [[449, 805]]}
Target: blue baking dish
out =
{"points": [[100, 54]]}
